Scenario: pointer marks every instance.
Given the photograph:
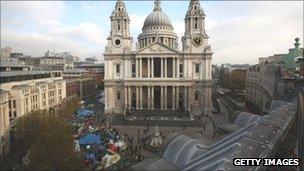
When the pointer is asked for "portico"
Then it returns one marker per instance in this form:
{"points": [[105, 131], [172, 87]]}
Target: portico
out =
{"points": [[164, 97]]}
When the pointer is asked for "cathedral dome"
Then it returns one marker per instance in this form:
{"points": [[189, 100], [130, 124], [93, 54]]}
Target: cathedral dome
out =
{"points": [[157, 28], [157, 18]]}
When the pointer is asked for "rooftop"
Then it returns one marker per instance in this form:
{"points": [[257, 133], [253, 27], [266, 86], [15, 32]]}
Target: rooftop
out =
{"points": [[75, 70], [255, 138], [91, 65], [16, 87], [22, 73], [5, 64]]}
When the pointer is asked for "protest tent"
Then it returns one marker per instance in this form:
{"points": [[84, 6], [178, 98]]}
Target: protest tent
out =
{"points": [[84, 112], [90, 139]]}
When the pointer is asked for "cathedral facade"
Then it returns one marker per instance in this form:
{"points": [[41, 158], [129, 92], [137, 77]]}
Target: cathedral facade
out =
{"points": [[157, 75]]}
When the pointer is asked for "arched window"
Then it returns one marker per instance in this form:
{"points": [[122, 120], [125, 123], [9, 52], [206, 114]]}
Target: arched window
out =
{"points": [[118, 95], [118, 25], [196, 96], [195, 23]]}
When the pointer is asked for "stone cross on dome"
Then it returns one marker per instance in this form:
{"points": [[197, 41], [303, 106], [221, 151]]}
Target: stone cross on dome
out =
{"points": [[157, 5]]}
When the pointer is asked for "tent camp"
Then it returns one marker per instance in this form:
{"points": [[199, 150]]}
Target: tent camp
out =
{"points": [[90, 139], [84, 112]]}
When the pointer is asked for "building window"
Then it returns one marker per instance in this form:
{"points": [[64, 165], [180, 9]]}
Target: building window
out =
{"points": [[133, 70], [196, 96], [195, 23], [15, 114], [14, 103], [181, 70], [161, 39], [10, 114], [118, 96], [117, 69], [197, 68]]}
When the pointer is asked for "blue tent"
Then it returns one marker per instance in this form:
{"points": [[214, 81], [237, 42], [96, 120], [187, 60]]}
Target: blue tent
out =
{"points": [[84, 112], [90, 139]]}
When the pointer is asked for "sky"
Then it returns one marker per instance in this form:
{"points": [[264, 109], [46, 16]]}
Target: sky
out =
{"points": [[240, 31]]}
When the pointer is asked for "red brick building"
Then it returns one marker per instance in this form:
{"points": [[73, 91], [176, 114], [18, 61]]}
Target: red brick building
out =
{"points": [[96, 71], [79, 83], [72, 89]]}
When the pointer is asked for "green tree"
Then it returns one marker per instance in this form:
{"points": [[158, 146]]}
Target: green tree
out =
{"points": [[49, 139], [68, 108]]}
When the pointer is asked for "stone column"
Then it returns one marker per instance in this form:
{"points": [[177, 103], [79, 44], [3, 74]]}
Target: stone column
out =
{"points": [[177, 97], [152, 97], [149, 97], [106, 69], [189, 98], [137, 97], [173, 98], [141, 97], [152, 74], [178, 64], [126, 97], [106, 97], [148, 67], [140, 68], [161, 68], [174, 62], [185, 68], [209, 99], [166, 68], [185, 98], [161, 97], [136, 68], [166, 97], [130, 97]]}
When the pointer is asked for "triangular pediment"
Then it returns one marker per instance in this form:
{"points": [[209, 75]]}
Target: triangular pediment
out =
{"points": [[156, 48]]}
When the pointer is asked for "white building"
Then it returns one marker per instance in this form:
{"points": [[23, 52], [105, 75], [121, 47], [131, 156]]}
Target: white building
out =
{"points": [[36, 94], [4, 124], [5, 52], [157, 75]]}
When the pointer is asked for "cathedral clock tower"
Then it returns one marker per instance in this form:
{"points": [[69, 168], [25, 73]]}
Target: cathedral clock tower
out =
{"points": [[195, 39], [120, 40]]}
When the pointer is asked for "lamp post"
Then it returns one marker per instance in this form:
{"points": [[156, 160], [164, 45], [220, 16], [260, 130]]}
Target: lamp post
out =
{"points": [[300, 110]]}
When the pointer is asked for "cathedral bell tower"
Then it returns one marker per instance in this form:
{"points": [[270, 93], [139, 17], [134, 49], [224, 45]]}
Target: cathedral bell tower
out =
{"points": [[195, 39], [120, 40]]}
